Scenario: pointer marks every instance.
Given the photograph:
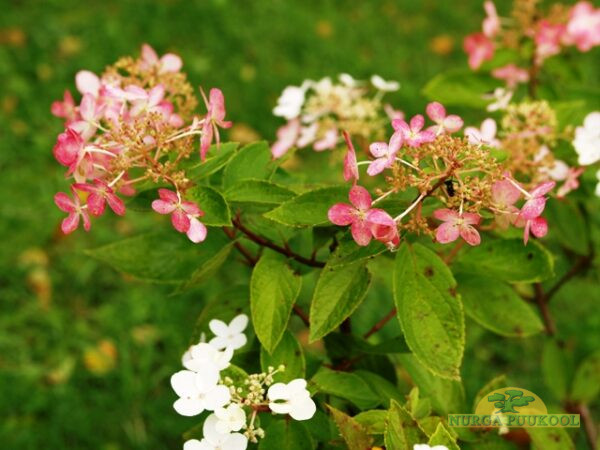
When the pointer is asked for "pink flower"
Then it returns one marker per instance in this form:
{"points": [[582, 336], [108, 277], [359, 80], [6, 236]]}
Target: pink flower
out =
{"points": [[412, 135], [286, 138], [183, 214], [167, 63], [215, 116], [384, 153], [479, 48], [445, 123], [392, 113], [491, 24], [100, 194], [456, 225], [511, 74], [504, 196], [143, 101], [350, 165], [583, 28], [90, 112], [537, 226], [571, 181], [65, 109], [328, 141], [356, 215], [383, 228], [484, 136], [548, 39], [536, 201], [75, 210], [68, 147], [87, 82]]}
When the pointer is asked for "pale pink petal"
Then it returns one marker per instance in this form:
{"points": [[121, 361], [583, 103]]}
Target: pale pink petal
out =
{"points": [[70, 223], [328, 141], [360, 198], [205, 140], [191, 208], [149, 55], [170, 63], [341, 214], [526, 232], [197, 231], [64, 202], [470, 235], [436, 111], [168, 195], [378, 149], [286, 138], [488, 130], [116, 204], [453, 123], [447, 232], [417, 122], [217, 102], [395, 143], [377, 166], [445, 214], [539, 227], [87, 82], [505, 193], [533, 208], [156, 94], [543, 188], [163, 207], [96, 204], [401, 126], [87, 108], [471, 218], [350, 165], [425, 136], [180, 220], [361, 232]]}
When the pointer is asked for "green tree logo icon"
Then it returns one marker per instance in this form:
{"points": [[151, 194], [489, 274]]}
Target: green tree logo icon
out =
{"points": [[507, 403]]}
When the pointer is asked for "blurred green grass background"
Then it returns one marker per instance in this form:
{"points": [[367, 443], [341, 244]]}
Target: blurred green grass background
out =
{"points": [[85, 355]]}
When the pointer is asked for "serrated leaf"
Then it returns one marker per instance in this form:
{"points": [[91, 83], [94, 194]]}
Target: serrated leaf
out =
{"points": [[382, 387], [286, 435], [429, 310], [550, 439], [586, 384], [250, 162], [338, 293], [209, 268], [354, 433], [508, 260], [273, 291], [216, 209], [460, 87], [346, 385], [150, 256], [289, 353], [373, 420], [309, 208], [347, 252], [402, 432], [442, 436], [496, 306], [258, 191]]}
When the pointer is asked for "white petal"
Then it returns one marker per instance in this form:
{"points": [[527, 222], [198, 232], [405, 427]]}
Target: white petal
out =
{"points": [[222, 358], [297, 386], [218, 327], [184, 383], [217, 397], [280, 408], [219, 343], [188, 407], [304, 409], [592, 122], [278, 391], [238, 324], [193, 444], [238, 341], [222, 426], [235, 441], [210, 431], [207, 379]]}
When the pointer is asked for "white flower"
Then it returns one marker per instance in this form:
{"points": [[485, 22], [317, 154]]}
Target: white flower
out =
{"points": [[230, 418], [486, 135], [501, 99], [348, 80], [198, 392], [290, 102], [292, 398], [213, 440], [229, 336], [203, 356], [426, 447], [587, 139], [559, 170], [385, 86]]}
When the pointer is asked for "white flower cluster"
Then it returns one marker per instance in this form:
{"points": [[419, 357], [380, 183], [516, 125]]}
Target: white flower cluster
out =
{"points": [[587, 143], [316, 111], [202, 387]]}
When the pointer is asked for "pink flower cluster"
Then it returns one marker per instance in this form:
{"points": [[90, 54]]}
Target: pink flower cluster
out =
{"points": [[120, 134]]}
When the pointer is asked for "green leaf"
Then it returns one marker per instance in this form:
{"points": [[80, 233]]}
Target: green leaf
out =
{"points": [[150, 256], [586, 384], [347, 252], [289, 353], [216, 209], [373, 420], [568, 225], [460, 87], [447, 396], [338, 293], [209, 268], [251, 162], [382, 387], [309, 208], [346, 385], [402, 432], [354, 433], [286, 435], [508, 260], [550, 439], [554, 369], [273, 291], [429, 310], [442, 436], [218, 158], [418, 407], [258, 191], [497, 307]]}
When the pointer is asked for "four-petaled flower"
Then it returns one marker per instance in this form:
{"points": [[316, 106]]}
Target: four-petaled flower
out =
{"points": [[184, 214], [292, 398], [229, 336], [198, 391], [413, 134], [213, 440], [504, 196], [455, 225], [169, 62], [479, 48], [511, 74], [486, 135], [201, 356], [444, 123], [215, 117], [529, 217], [75, 209], [101, 193], [384, 153]]}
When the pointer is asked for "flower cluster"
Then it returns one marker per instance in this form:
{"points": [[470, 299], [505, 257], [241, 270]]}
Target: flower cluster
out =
{"points": [[563, 26], [134, 125], [316, 111], [204, 385], [458, 178]]}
